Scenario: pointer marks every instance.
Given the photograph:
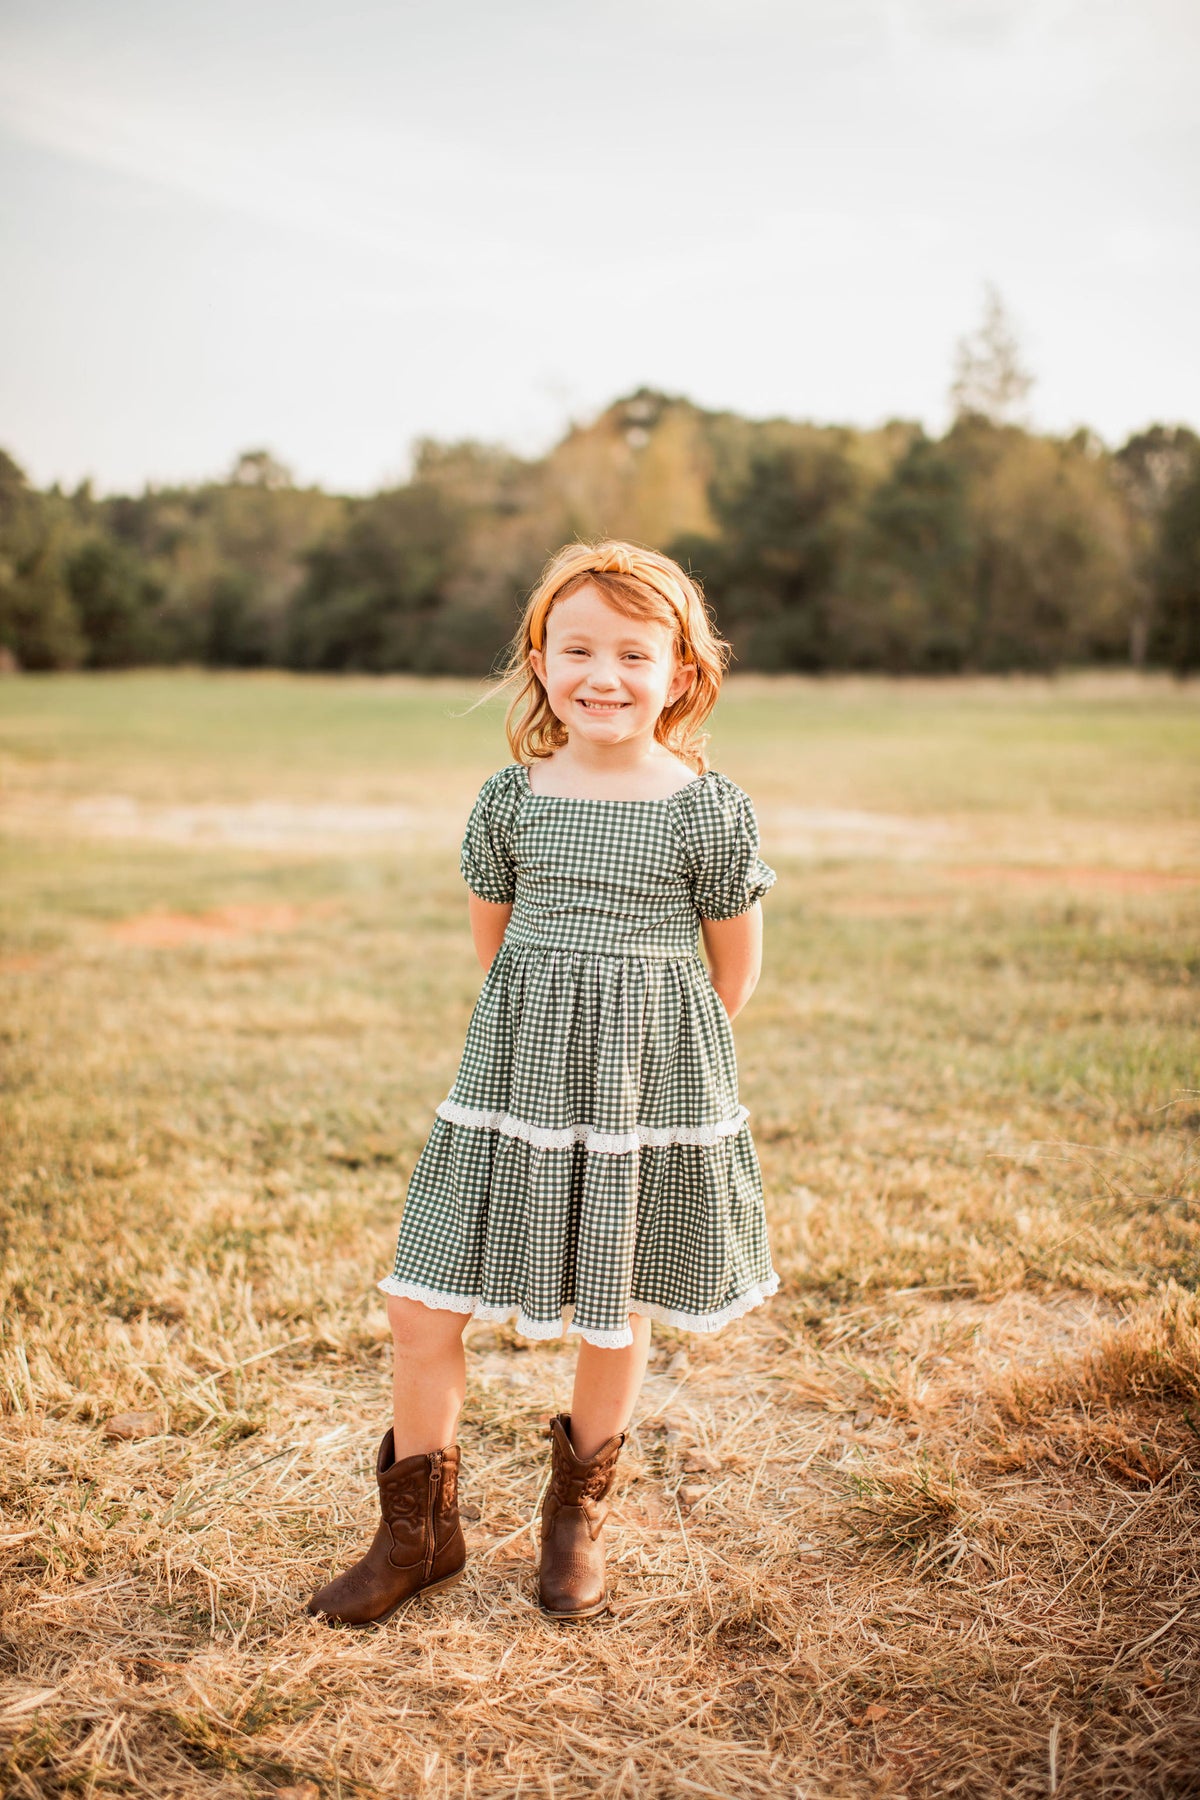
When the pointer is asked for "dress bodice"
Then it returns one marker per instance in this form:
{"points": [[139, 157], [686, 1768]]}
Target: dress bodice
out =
{"points": [[614, 877]]}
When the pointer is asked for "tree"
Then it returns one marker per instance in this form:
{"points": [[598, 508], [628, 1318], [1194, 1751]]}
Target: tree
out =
{"points": [[1176, 629], [258, 468], [236, 636], [373, 592], [1147, 470], [904, 600], [782, 517], [989, 379], [39, 626], [1050, 575], [114, 600]]}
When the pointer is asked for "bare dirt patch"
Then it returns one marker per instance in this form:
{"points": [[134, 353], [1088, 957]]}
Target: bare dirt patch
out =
{"points": [[1096, 880], [20, 965], [168, 930], [850, 833], [1030, 878], [285, 827], [264, 824]]}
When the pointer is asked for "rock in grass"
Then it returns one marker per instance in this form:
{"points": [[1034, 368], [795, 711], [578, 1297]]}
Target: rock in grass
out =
{"points": [[131, 1425], [701, 1462]]}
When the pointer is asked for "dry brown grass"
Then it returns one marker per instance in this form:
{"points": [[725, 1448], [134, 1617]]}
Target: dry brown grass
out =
{"points": [[927, 1525]]}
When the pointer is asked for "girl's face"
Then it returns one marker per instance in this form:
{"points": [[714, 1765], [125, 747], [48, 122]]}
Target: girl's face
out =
{"points": [[607, 677]]}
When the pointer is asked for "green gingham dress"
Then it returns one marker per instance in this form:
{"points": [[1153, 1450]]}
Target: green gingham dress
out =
{"points": [[592, 1158]]}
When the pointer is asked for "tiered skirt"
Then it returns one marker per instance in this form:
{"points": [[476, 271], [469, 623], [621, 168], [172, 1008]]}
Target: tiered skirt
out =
{"points": [[592, 1160]]}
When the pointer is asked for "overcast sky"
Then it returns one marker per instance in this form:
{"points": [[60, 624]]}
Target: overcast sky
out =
{"points": [[329, 230]]}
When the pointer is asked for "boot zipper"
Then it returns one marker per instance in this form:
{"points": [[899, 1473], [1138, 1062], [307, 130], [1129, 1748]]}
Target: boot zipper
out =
{"points": [[435, 1485]]}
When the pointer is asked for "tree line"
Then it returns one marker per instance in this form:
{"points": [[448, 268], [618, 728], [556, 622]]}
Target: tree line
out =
{"points": [[990, 548]]}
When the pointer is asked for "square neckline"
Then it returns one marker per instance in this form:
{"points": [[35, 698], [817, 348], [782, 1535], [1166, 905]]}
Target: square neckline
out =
{"points": [[597, 800]]}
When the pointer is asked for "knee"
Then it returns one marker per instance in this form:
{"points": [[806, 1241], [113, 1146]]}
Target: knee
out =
{"points": [[420, 1333]]}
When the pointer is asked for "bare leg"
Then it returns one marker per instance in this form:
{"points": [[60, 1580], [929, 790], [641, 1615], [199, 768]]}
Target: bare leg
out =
{"points": [[419, 1523], [607, 1384], [429, 1377]]}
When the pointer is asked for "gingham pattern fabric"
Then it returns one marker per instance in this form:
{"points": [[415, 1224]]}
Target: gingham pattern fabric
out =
{"points": [[592, 1159]]}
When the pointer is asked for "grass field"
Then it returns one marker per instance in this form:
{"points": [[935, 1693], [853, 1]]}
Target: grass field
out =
{"points": [[927, 1524]]}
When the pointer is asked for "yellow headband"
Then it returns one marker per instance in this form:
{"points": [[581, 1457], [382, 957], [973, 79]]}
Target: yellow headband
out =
{"points": [[537, 620]]}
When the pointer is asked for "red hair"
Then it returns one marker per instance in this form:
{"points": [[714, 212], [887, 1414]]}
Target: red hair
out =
{"points": [[642, 584]]}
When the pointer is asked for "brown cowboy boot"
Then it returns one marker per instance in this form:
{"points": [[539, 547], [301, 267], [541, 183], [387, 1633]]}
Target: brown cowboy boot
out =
{"points": [[418, 1546], [571, 1581]]}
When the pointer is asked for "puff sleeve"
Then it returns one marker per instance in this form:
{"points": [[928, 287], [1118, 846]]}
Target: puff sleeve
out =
{"points": [[728, 873], [487, 862]]}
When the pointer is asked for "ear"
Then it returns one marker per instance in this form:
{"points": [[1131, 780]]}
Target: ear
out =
{"points": [[683, 679], [537, 663]]}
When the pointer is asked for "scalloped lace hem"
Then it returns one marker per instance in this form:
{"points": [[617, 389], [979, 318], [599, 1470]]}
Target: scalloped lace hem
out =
{"points": [[603, 1143], [705, 1323], [543, 1330]]}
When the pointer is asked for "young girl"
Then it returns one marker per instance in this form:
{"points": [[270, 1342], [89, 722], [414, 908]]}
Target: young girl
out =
{"points": [[592, 1160]]}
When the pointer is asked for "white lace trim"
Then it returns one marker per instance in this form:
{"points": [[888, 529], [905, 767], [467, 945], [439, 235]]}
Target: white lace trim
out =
{"points": [[543, 1330], [709, 1322], [604, 1143]]}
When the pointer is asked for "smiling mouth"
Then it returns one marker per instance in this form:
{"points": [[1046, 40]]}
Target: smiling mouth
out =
{"points": [[602, 706]]}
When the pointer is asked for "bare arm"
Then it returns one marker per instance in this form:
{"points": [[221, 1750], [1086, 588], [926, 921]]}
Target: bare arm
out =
{"points": [[489, 922], [734, 951]]}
